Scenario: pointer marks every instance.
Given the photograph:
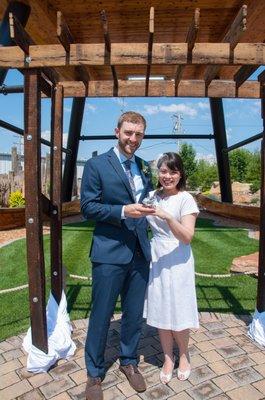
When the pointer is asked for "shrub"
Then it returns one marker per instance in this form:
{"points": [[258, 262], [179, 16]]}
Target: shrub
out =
{"points": [[255, 186], [16, 199]]}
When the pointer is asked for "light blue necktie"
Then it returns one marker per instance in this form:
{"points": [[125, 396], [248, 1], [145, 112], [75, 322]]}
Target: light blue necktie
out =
{"points": [[127, 165]]}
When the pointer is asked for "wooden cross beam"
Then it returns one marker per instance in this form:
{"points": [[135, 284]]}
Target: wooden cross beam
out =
{"points": [[54, 55], [165, 88], [107, 56], [66, 38], [190, 39], [150, 49], [244, 73], [24, 41], [232, 37]]}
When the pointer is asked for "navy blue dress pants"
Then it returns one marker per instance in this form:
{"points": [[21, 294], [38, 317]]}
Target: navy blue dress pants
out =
{"points": [[108, 282]]}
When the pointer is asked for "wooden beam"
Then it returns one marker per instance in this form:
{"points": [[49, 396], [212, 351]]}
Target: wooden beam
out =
{"points": [[45, 86], [150, 48], [66, 38], [24, 41], [33, 211], [232, 37], [108, 49], [244, 73], [190, 39], [56, 192], [19, 35], [238, 27], [63, 32], [134, 54], [187, 88], [193, 30]]}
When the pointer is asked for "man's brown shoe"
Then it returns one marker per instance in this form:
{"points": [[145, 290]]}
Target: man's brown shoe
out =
{"points": [[134, 377], [94, 389]]}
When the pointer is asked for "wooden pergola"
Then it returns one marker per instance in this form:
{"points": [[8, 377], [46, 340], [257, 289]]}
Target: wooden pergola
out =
{"points": [[79, 49]]}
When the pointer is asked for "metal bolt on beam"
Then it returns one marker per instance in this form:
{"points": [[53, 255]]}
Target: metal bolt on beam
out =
{"points": [[29, 137], [28, 59], [54, 147], [55, 273], [54, 212], [30, 220], [35, 299]]}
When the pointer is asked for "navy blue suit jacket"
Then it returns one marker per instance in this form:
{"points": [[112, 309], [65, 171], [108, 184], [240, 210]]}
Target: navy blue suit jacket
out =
{"points": [[105, 189]]}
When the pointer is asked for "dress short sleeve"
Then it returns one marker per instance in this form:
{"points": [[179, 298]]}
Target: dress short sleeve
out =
{"points": [[188, 205]]}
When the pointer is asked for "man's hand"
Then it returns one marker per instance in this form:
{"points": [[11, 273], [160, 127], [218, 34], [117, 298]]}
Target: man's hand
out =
{"points": [[137, 210]]}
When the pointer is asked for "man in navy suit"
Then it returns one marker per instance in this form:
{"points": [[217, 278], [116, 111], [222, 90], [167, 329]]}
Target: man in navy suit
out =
{"points": [[113, 186]]}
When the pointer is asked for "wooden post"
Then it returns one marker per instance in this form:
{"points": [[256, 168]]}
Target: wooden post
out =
{"points": [[218, 121], [33, 214], [261, 275], [56, 192]]}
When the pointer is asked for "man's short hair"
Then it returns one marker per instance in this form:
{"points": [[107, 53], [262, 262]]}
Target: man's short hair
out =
{"points": [[131, 116]]}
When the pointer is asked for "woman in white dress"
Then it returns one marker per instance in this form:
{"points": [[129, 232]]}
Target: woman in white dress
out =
{"points": [[170, 303]]}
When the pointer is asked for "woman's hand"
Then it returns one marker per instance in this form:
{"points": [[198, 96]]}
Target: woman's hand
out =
{"points": [[159, 212]]}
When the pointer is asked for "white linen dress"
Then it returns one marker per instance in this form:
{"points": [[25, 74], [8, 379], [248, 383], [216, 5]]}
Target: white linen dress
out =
{"points": [[170, 301]]}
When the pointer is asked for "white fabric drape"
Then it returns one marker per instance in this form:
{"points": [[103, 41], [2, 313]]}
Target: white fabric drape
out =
{"points": [[60, 344], [256, 330]]}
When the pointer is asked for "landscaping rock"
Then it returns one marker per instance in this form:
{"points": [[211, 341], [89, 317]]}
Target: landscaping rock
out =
{"points": [[246, 264]]}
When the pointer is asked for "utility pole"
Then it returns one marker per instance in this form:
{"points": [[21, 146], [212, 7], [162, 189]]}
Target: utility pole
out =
{"points": [[177, 128]]}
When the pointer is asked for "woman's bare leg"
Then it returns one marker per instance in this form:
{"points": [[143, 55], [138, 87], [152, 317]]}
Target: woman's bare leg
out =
{"points": [[167, 342], [182, 339]]}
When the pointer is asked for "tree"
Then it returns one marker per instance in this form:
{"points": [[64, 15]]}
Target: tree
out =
{"points": [[239, 160], [204, 176], [253, 173], [188, 154]]}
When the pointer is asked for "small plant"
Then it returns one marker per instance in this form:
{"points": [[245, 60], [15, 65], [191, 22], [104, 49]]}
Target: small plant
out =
{"points": [[254, 200], [16, 199], [255, 186]]}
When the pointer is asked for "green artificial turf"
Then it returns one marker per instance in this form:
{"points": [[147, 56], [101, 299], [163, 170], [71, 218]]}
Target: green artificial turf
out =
{"points": [[214, 249]]}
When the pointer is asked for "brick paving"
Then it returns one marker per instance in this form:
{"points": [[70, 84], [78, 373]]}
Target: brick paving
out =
{"points": [[226, 364]]}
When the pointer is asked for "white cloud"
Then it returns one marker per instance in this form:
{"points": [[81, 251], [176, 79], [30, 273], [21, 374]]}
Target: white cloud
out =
{"points": [[120, 101], [151, 109], [90, 107], [203, 106], [171, 108]]}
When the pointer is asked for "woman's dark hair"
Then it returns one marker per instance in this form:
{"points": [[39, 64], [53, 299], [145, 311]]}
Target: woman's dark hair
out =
{"points": [[174, 162]]}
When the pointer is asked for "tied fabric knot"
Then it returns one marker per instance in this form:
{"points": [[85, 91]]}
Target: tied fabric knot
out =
{"points": [[127, 166]]}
